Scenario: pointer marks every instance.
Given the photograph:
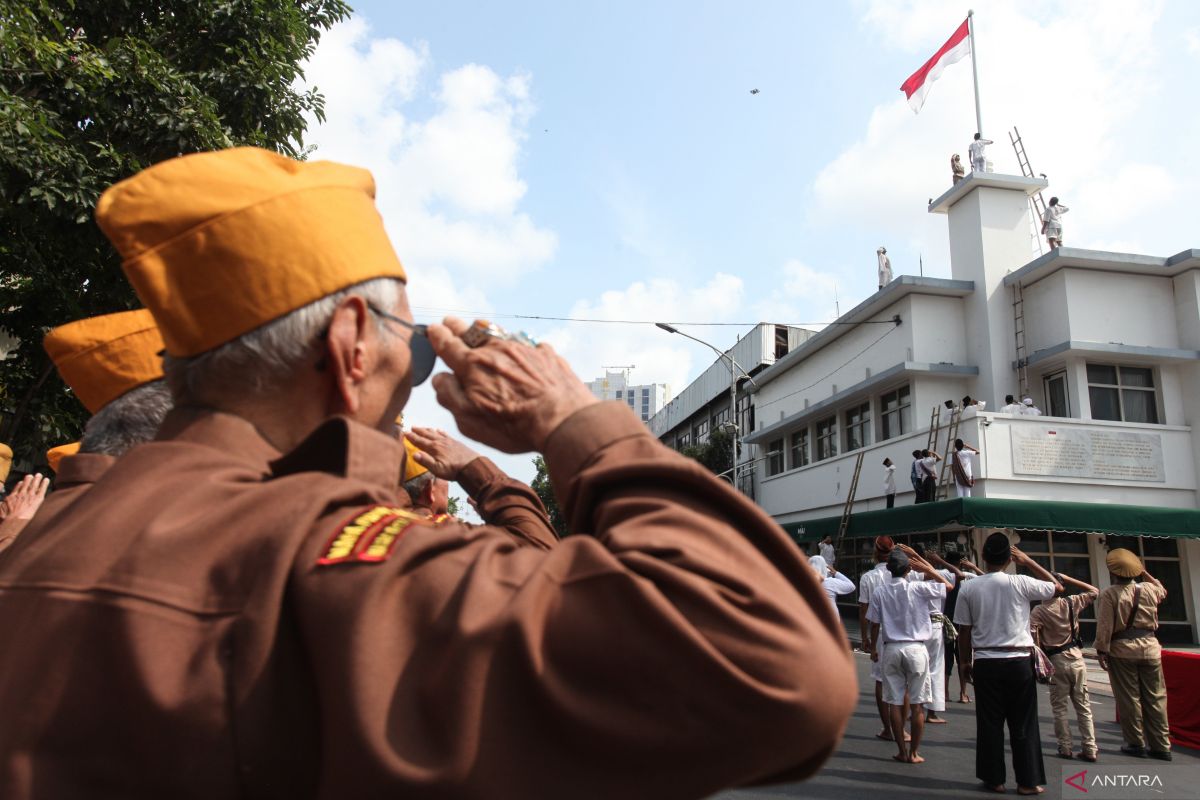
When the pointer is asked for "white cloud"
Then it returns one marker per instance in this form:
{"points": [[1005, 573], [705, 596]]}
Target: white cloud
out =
{"points": [[445, 160], [1072, 77], [660, 357], [805, 294]]}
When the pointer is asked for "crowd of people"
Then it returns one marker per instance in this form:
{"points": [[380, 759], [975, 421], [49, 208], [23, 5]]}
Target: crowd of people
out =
{"points": [[922, 613]]}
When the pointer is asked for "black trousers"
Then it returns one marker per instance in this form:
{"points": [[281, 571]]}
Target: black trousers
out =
{"points": [[891, 501], [917, 492], [928, 489], [1006, 692]]}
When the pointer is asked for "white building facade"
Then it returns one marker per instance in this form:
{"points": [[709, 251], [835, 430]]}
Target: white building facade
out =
{"points": [[1110, 345]]}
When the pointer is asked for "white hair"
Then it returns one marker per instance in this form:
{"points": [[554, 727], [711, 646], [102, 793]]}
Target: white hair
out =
{"points": [[414, 486], [129, 420], [819, 564], [260, 361]]}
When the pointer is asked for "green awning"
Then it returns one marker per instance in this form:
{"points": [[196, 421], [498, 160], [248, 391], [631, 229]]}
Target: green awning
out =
{"points": [[987, 512]]}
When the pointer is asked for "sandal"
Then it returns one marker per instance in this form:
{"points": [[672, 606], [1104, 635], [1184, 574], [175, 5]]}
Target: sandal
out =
{"points": [[1065, 753]]}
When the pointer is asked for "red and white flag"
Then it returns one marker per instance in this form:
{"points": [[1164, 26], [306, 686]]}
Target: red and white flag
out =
{"points": [[955, 49]]}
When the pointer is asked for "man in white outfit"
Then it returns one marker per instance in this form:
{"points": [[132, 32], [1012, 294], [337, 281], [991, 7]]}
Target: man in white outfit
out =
{"points": [[867, 584], [899, 608], [833, 583], [1011, 406], [885, 267], [935, 645], [978, 157], [1029, 409], [1052, 222], [960, 465]]}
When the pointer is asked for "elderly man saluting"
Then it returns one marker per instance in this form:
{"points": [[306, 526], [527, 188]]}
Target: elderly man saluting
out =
{"points": [[246, 607]]}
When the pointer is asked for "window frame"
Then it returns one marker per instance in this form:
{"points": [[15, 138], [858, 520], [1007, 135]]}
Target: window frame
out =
{"points": [[1120, 387], [902, 412], [774, 461], [826, 435], [802, 435], [862, 426]]}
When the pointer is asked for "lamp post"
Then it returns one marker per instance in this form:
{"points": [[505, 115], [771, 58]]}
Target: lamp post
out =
{"points": [[733, 411]]}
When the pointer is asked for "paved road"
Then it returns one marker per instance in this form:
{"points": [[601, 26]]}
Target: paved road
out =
{"points": [[863, 764]]}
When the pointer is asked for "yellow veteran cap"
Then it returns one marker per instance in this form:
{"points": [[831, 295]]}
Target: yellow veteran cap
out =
{"points": [[218, 244], [55, 455], [412, 468], [102, 358]]}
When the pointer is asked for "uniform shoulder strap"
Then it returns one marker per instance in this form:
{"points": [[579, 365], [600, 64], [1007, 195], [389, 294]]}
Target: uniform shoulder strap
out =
{"points": [[1137, 595]]}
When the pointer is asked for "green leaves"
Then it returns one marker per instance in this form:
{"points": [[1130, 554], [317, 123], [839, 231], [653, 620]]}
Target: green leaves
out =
{"points": [[91, 93]]}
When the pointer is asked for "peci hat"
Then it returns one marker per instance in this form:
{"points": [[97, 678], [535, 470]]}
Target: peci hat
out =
{"points": [[883, 545], [997, 548], [218, 244], [55, 455], [102, 358], [1123, 563]]}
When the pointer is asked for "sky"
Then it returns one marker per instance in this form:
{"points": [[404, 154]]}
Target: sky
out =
{"points": [[608, 160]]}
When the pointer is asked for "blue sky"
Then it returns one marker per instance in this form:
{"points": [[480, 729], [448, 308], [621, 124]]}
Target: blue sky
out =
{"points": [[608, 160]]}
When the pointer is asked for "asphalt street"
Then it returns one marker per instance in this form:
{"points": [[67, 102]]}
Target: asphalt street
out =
{"points": [[863, 764]]}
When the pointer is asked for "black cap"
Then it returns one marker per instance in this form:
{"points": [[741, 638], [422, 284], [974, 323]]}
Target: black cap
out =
{"points": [[897, 562]]}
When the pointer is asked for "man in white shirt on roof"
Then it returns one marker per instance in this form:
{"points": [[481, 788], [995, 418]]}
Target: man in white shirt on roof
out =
{"points": [[1011, 406], [1052, 222], [978, 157], [996, 652], [1029, 409], [899, 609]]}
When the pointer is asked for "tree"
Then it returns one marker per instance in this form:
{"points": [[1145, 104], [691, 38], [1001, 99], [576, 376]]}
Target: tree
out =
{"points": [[452, 506], [541, 486], [716, 454], [92, 92]]}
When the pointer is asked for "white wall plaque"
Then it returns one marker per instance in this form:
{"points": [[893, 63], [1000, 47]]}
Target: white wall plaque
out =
{"points": [[1070, 452]]}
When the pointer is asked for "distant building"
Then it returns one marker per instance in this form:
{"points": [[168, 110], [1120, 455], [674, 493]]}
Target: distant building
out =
{"points": [[1106, 344], [644, 398], [703, 406]]}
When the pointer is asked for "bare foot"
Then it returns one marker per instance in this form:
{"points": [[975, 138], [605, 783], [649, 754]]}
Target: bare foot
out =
{"points": [[884, 734], [915, 759], [1027, 790], [901, 757], [998, 788], [962, 698], [935, 721]]}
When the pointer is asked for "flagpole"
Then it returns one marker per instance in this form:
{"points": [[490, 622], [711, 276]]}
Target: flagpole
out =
{"points": [[974, 71]]}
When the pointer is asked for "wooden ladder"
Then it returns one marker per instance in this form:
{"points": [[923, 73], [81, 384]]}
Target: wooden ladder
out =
{"points": [[945, 475], [1036, 203], [844, 523]]}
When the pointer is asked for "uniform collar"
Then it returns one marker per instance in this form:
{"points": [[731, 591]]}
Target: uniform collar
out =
{"points": [[229, 433], [343, 447], [82, 468]]}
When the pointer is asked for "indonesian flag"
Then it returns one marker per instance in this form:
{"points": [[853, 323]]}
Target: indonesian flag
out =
{"points": [[955, 49]]}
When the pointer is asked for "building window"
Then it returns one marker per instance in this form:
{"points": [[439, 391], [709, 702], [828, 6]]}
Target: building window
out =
{"points": [[745, 413], [781, 341], [799, 448], [1161, 556], [1124, 394], [685, 440], [630, 399], [826, 438], [1057, 402], [646, 394], [895, 414], [721, 419], [701, 431], [618, 394], [858, 427], [775, 457]]}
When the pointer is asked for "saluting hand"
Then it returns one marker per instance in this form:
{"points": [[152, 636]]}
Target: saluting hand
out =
{"points": [[25, 498], [440, 453], [505, 394]]}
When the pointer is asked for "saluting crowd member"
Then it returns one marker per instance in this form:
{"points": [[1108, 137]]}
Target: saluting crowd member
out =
{"points": [[1055, 627], [935, 645], [501, 501], [871, 634], [996, 652], [19, 506], [114, 368], [899, 609], [1126, 621], [254, 609]]}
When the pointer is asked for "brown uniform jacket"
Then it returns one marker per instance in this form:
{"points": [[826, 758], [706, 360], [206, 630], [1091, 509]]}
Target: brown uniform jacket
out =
{"points": [[505, 502], [1112, 610], [1050, 621], [75, 476], [214, 620]]}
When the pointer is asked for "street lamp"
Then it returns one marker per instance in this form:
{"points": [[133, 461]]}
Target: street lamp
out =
{"points": [[734, 367]]}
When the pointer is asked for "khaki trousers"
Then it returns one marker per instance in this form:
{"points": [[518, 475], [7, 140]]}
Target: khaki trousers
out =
{"points": [[1069, 687], [1141, 695]]}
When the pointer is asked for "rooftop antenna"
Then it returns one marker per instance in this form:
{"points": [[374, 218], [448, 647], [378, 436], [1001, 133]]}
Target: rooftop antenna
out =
{"points": [[921, 263]]}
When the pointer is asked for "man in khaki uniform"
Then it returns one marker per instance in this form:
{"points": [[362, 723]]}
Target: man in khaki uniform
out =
{"points": [[1055, 628], [1126, 620], [112, 364], [245, 607]]}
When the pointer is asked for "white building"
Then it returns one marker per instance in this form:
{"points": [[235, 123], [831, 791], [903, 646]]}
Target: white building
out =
{"points": [[1111, 347], [704, 406], [645, 399]]}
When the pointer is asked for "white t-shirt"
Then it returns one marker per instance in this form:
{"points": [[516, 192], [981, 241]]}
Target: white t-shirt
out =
{"points": [[901, 607], [889, 479], [835, 585], [930, 464], [977, 147], [938, 605], [996, 606], [1053, 215], [1012, 408], [827, 552], [1031, 411], [870, 580]]}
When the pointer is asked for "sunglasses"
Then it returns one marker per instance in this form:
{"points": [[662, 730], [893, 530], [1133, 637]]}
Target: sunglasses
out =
{"points": [[423, 357]]}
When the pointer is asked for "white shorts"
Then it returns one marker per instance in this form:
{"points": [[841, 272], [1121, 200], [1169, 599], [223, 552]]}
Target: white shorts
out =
{"points": [[906, 669], [877, 668]]}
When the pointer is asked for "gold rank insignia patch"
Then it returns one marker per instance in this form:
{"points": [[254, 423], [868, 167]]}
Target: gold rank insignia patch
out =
{"points": [[369, 536]]}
